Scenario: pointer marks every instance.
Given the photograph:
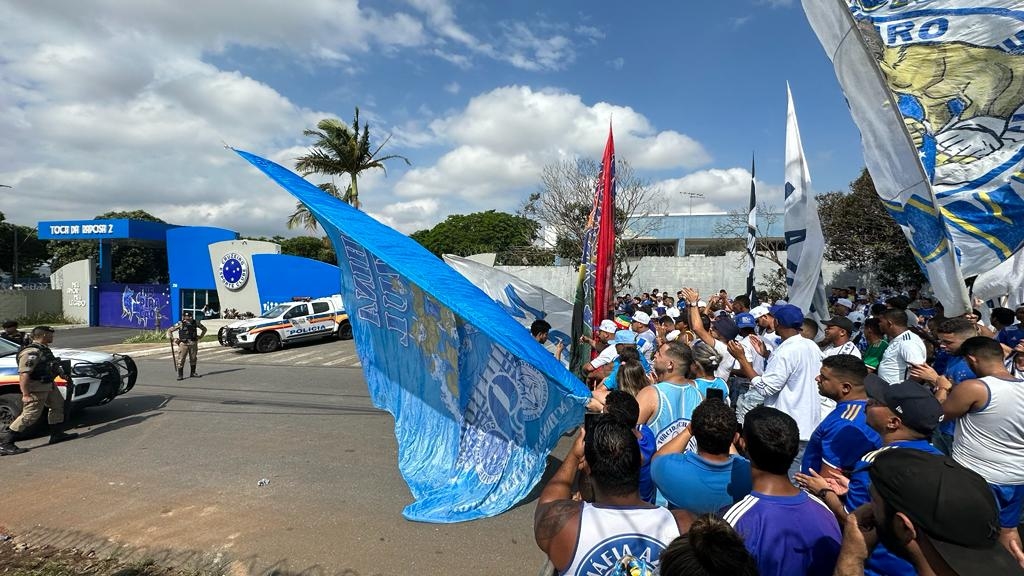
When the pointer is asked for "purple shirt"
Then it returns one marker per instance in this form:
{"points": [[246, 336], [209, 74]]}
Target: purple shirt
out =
{"points": [[787, 534]]}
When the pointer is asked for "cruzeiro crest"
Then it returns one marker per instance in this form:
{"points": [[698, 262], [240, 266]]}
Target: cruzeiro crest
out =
{"points": [[233, 271]]}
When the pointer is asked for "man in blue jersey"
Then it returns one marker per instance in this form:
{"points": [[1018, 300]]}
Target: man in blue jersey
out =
{"points": [[787, 530], [1007, 333], [952, 333], [668, 405], [710, 479], [904, 415], [844, 435]]}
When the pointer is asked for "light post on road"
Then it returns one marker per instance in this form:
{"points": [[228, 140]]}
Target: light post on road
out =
{"points": [[693, 195]]}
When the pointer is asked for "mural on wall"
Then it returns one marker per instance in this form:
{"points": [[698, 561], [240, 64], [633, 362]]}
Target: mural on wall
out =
{"points": [[146, 306]]}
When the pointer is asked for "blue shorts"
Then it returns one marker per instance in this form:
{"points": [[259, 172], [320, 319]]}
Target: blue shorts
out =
{"points": [[1010, 500]]}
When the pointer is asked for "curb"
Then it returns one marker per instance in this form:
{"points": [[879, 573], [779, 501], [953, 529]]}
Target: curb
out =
{"points": [[156, 349]]}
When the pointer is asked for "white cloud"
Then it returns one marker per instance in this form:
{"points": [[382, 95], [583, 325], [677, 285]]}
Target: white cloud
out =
{"points": [[452, 88], [617, 63], [716, 190]]}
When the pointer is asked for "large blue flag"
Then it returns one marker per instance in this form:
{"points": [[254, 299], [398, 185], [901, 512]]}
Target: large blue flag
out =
{"points": [[478, 404]]}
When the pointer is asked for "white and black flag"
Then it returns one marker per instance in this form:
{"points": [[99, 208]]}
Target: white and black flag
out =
{"points": [[751, 238]]}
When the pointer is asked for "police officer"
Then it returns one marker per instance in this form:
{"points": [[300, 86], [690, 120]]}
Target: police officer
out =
{"points": [[190, 331], [37, 368], [12, 334]]}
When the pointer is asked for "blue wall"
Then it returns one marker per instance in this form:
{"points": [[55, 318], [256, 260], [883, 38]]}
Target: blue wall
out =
{"points": [[188, 259], [281, 277]]}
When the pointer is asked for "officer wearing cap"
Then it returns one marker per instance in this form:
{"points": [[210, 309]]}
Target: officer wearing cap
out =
{"points": [[37, 369], [190, 331], [12, 334]]}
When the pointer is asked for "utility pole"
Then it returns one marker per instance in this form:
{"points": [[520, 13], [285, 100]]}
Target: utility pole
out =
{"points": [[14, 270]]}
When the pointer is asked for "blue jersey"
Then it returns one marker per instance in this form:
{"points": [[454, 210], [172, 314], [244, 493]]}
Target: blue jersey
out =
{"points": [[841, 438], [647, 449], [956, 372], [703, 385], [881, 562], [1010, 335], [692, 483], [787, 535]]}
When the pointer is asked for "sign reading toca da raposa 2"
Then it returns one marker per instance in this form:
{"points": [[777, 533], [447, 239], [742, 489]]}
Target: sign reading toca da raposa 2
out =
{"points": [[478, 404]]}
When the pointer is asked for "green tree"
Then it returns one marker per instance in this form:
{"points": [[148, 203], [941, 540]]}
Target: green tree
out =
{"points": [[339, 150], [860, 234], [23, 241], [511, 237], [309, 247], [133, 261]]}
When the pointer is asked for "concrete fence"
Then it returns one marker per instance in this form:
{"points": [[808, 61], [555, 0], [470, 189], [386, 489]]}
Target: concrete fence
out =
{"points": [[21, 303], [708, 274]]}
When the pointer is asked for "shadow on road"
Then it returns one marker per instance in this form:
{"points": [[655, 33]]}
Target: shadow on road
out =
{"points": [[549, 470], [188, 561]]}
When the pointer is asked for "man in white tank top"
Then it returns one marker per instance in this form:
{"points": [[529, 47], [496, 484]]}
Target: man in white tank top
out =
{"points": [[590, 538], [989, 437]]}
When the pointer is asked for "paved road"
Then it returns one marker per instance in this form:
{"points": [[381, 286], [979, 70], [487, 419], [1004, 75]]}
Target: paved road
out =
{"points": [[171, 470], [91, 337]]}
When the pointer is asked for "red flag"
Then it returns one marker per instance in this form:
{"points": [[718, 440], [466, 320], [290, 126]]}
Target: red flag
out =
{"points": [[605, 201]]}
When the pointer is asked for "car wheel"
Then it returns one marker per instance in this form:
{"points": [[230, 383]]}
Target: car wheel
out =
{"points": [[10, 407], [345, 331], [268, 342]]}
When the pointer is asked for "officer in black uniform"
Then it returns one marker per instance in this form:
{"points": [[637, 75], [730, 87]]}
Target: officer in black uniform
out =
{"points": [[190, 331], [37, 369], [12, 334]]}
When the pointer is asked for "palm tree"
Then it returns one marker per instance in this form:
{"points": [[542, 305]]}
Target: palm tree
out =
{"points": [[339, 150]]}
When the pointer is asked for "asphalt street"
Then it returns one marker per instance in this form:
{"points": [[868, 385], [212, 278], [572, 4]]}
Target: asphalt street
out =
{"points": [[172, 470]]}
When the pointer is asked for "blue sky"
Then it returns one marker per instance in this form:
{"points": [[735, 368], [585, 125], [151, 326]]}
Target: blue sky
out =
{"points": [[111, 105]]}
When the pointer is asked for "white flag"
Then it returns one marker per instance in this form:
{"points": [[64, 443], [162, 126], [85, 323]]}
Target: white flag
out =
{"points": [[805, 244], [523, 301], [937, 90]]}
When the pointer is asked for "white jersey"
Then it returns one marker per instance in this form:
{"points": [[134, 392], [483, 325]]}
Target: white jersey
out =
{"points": [[724, 370], [789, 382], [606, 356], [607, 534], [757, 361], [848, 348], [991, 440], [903, 350]]}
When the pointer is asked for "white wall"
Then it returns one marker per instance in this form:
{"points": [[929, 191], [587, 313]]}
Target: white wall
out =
{"points": [[708, 274], [74, 280], [246, 298]]}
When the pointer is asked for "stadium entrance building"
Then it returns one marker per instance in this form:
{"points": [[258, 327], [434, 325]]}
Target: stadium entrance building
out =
{"points": [[206, 267]]}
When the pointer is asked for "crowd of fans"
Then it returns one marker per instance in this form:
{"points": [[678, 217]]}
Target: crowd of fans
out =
{"points": [[731, 439]]}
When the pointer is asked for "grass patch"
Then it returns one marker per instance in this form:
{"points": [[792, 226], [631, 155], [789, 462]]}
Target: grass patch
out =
{"points": [[160, 336], [43, 319]]}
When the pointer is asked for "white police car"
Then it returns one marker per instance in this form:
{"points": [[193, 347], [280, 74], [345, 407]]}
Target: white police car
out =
{"points": [[98, 378], [297, 321]]}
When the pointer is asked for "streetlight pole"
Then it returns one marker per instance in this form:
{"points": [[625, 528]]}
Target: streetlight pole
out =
{"points": [[693, 195]]}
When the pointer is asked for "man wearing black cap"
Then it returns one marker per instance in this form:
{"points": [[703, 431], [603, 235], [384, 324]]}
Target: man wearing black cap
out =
{"points": [[931, 511], [904, 415], [838, 334]]}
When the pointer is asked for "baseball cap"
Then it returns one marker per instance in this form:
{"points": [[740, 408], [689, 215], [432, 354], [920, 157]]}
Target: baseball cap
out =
{"points": [[787, 315], [672, 336], [758, 311], [608, 326], [642, 317], [841, 322], [625, 337], [622, 321], [845, 302], [725, 327], [912, 402], [954, 506], [745, 320], [701, 304], [856, 318]]}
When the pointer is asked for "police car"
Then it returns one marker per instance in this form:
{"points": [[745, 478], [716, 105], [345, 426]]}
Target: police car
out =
{"points": [[297, 321], [98, 378]]}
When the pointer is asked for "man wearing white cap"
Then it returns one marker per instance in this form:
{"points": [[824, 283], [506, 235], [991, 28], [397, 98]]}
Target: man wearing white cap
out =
{"points": [[842, 307], [765, 327], [605, 333], [641, 324]]}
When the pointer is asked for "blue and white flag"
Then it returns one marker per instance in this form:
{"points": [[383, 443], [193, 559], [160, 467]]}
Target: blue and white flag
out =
{"points": [[805, 243], [478, 404], [937, 90], [523, 301]]}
